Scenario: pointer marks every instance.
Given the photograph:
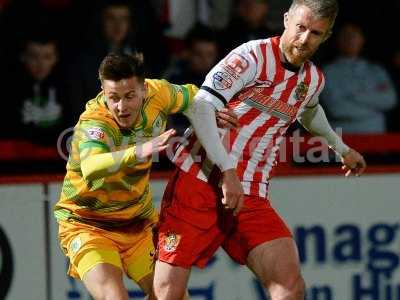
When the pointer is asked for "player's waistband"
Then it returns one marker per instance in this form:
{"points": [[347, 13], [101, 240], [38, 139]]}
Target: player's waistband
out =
{"points": [[250, 188]]}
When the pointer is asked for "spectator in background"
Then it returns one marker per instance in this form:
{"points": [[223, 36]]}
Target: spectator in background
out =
{"points": [[362, 90], [247, 23], [35, 92], [122, 30], [199, 57]]}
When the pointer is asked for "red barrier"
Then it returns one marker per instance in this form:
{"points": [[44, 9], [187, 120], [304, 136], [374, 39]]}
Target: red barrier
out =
{"points": [[282, 170], [367, 144], [364, 143]]}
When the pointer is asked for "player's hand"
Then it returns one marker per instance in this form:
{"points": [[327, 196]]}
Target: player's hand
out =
{"points": [[155, 145], [226, 118], [353, 163], [232, 191]]}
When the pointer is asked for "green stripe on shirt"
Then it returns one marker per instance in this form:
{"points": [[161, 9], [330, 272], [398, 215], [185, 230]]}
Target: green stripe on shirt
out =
{"points": [[185, 103], [93, 144]]}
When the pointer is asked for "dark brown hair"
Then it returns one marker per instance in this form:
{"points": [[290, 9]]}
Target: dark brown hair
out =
{"points": [[117, 66]]}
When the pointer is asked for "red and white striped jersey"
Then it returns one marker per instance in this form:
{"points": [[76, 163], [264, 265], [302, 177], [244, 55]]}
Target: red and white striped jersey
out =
{"points": [[267, 96]]}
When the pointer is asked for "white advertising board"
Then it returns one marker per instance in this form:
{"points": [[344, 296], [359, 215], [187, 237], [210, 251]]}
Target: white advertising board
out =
{"points": [[22, 219], [347, 232]]}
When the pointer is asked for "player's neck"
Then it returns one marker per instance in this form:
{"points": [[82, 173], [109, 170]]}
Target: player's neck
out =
{"points": [[284, 61], [286, 64]]}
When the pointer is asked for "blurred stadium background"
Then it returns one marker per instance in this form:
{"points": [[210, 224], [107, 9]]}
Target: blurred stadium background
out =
{"points": [[347, 229]]}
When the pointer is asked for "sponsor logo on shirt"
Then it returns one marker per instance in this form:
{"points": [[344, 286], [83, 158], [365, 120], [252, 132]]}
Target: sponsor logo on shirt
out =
{"points": [[171, 241], [231, 72], [236, 63], [96, 133], [222, 81], [277, 108]]}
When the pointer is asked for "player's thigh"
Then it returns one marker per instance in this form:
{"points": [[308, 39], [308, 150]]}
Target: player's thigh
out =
{"points": [[256, 224], [146, 284], [170, 278], [188, 232], [275, 261], [139, 263], [87, 248], [105, 279], [139, 257]]}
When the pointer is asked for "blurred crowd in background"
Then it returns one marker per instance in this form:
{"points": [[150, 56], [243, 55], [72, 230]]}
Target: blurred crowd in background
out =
{"points": [[50, 51]]}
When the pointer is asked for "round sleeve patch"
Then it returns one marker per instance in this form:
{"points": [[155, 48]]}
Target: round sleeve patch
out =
{"points": [[95, 133]]}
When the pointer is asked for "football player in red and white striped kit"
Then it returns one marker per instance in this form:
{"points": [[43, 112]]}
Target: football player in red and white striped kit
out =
{"points": [[218, 195]]}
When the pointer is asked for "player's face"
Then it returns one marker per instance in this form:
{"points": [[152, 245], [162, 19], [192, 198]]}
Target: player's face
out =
{"points": [[303, 34], [124, 99]]}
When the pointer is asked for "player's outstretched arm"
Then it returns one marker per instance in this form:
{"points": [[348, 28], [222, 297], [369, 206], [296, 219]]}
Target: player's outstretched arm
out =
{"points": [[156, 145], [95, 166], [203, 119], [315, 121]]}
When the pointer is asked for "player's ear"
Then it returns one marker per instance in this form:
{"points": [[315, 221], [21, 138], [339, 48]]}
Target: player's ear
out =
{"points": [[23, 57], [328, 35], [146, 88], [286, 19]]}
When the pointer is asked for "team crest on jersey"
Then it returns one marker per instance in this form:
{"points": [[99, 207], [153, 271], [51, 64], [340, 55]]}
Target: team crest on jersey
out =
{"points": [[177, 88], [158, 125], [222, 81], [95, 133], [301, 91], [76, 244], [171, 241]]}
